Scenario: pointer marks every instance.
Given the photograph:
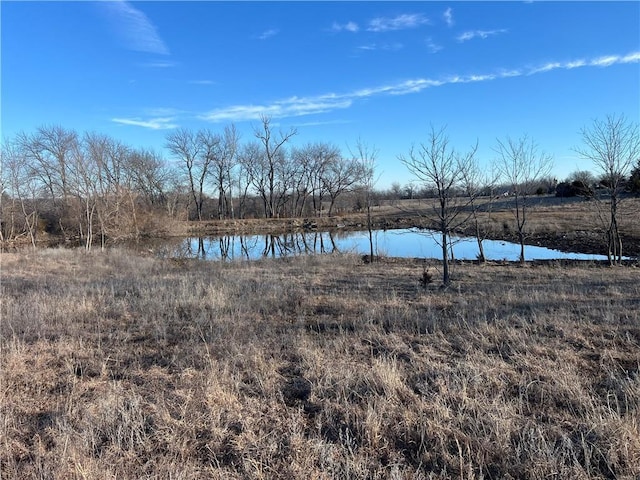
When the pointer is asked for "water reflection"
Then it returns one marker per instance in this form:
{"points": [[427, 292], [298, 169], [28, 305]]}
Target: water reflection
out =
{"points": [[412, 243], [252, 247]]}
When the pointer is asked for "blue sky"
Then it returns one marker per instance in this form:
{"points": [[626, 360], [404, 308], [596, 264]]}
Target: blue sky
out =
{"points": [[382, 72]]}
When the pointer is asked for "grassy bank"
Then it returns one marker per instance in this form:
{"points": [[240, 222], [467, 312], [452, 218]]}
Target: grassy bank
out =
{"points": [[122, 366]]}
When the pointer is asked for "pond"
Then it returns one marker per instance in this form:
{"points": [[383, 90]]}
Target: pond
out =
{"points": [[410, 243]]}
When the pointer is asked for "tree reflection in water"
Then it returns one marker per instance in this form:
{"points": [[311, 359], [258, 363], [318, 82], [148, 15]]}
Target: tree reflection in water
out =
{"points": [[412, 243], [252, 247]]}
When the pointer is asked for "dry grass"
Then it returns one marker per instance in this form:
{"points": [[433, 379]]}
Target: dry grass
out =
{"points": [[121, 366], [549, 212]]}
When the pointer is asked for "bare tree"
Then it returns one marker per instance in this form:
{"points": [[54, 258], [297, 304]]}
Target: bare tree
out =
{"points": [[271, 187], [366, 157], [177, 198], [106, 155], [149, 176], [47, 152], [7, 197], [88, 186], [339, 176], [410, 190], [319, 171], [187, 147], [120, 179], [249, 169], [476, 183], [287, 172], [23, 187], [211, 151], [437, 165], [231, 144], [315, 159], [613, 145], [81, 182], [302, 187], [395, 192], [257, 170], [522, 165], [586, 178], [580, 183], [221, 152], [51, 147]]}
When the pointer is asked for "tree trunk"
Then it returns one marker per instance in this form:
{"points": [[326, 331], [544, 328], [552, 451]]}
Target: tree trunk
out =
{"points": [[369, 227], [481, 257], [445, 259], [521, 239], [333, 201]]}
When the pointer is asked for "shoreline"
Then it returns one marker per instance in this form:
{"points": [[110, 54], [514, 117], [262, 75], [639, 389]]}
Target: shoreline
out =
{"points": [[554, 223]]}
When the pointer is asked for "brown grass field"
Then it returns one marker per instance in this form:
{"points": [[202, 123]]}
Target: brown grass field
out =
{"points": [[115, 365]]}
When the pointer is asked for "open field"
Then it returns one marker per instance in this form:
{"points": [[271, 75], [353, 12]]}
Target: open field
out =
{"points": [[122, 366]]}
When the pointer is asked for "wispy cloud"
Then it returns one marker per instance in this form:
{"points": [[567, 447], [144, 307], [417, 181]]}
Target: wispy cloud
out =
{"points": [[201, 82], [448, 17], [268, 34], [160, 123], [470, 35], [158, 64], [135, 29], [300, 106], [432, 46], [400, 88], [290, 107], [400, 22], [602, 62], [613, 59], [388, 47], [345, 27], [316, 124]]}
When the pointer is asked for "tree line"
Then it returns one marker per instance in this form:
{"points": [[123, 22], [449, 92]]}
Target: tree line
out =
{"points": [[611, 145], [95, 189]]}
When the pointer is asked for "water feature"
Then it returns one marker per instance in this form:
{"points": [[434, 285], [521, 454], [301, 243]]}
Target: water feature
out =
{"points": [[411, 243]]}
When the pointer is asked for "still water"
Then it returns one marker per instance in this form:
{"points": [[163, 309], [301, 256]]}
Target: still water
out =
{"points": [[411, 243]]}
